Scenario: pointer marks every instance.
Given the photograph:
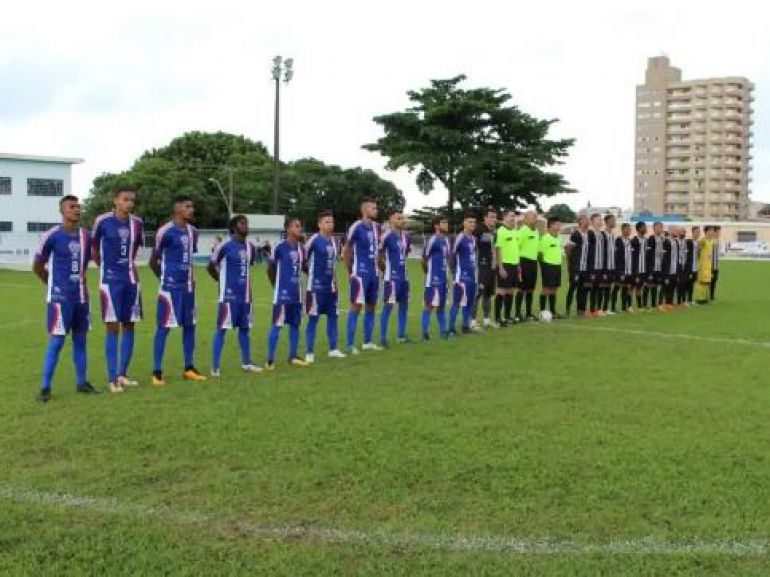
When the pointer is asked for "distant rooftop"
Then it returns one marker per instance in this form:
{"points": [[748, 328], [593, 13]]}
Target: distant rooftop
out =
{"points": [[37, 158]]}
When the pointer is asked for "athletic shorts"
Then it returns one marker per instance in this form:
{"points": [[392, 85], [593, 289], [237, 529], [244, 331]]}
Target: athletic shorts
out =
{"points": [[625, 279], [670, 280], [121, 302], [610, 276], [395, 291], [176, 308], [435, 296], [68, 316], [487, 282], [234, 316], [692, 276], [464, 293], [512, 280], [364, 289], [528, 274], [551, 275], [322, 303], [287, 313]]}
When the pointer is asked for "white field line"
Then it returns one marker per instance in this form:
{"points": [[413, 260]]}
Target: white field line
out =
{"points": [[442, 542]]}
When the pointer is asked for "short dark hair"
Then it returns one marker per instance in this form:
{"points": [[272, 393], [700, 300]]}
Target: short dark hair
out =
{"points": [[694, 228], [551, 220], [717, 228], [234, 221], [68, 198], [657, 222], [368, 199], [289, 221], [625, 225], [127, 188], [469, 214], [180, 198], [490, 209], [595, 215], [639, 225], [508, 211], [438, 218], [323, 214], [607, 217]]}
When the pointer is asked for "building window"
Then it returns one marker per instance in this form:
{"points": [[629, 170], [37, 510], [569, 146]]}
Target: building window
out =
{"points": [[5, 185], [45, 187], [6, 226], [746, 236], [40, 226]]}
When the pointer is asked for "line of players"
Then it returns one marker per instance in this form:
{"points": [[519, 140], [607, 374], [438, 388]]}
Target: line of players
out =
{"points": [[483, 261]]}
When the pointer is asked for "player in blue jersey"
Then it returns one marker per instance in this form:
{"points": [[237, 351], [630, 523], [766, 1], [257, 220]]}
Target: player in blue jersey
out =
{"points": [[434, 263], [322, 296], [117, 236], [463, 265], [61, 262], [360, 256], [230, 265], [284, 270], [172, 262], [394, 247]]}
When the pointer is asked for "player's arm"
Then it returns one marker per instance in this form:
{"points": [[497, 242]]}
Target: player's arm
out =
{"points": [[96, 237], [40, 270], [381, 252], [271, 265], [347, 257]]}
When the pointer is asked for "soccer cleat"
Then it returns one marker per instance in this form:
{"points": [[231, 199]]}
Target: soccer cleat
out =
{"points": [[124, 381], [475, 324], [492, 325], [297, 362], [216, 373], [590, 314], [192, 374], [157, 380], [610, 313], [515, 320], [310, 358], [270, 366], [475, 328], [115, 387], [334, 354], [531, 318], [251, 368], [371, 347], [468, 330], [87, 389], [353, 351], [446, 336], [600, 314], [44, 396], [425, 337], [631, 310], [404, 341]]}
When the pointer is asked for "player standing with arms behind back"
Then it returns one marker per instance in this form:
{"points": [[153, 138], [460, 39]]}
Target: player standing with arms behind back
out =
{"points": [[61, 262], [485, 241], [117, 236], [463, 264], [394, 247], [172, 262], [434, 264]]}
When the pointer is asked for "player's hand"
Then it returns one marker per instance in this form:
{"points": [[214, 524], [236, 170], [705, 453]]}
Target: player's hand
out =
{"points": [[503, 273], [518, 273]]}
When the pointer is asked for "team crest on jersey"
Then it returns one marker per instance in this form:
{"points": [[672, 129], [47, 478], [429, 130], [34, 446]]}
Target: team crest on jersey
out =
{"points": [[74, 248], [242, 255], [123, 233], [185, 240], [294, 256], [330, 251]]}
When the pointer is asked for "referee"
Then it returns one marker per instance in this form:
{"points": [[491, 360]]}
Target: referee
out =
{"points": [[529, 242], [550, 265], [508, 272], [485, 241]]}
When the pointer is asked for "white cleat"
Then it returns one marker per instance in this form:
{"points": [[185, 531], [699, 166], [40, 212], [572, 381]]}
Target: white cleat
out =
{"points": [[353, 351], [126, 382], [336, 354], [216, 373], [310, 358], [475, 326], [251, 368], [115, 387], [371, 347]]}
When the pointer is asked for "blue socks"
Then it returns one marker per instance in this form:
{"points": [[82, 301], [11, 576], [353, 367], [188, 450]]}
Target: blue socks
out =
{"points": [[425, 321], [441, 315], [244, 341], [352, 323], [272, 343], [331, 331], [216, 348], [453, 317], [79, 357], [111, 354], [55, 344], [467, 310], [402, 311], [159, 348], [384, 321], [310, 330], [126, 351], [293, 341], [368, 326], [188, 345]]}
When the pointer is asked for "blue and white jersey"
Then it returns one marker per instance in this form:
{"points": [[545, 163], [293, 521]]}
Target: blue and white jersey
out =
{"points": [[395, 246], [464, 254], [234, 258], [436, 254], [321, 253], [362, 238], [175, 246], [118, 241], [66, 257], [287, 258]]}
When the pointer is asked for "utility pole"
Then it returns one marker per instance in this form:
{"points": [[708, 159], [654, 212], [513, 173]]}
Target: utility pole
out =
{"points": [[282, 69]]}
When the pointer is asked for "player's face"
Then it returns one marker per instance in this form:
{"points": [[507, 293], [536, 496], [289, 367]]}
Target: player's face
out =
{"points": [[70, 211], [657, 229], [696, 234], [554, 228], [294, 230], [443, 226], [396, 221], [583, 222], [509, 220], [326, 225], [643, 230], [490, 220], [242, 227], [626, 231], [184, 210], [124, 201], [530, 219], [609, 223], [596, 222], [469, 224], [369, 210]]}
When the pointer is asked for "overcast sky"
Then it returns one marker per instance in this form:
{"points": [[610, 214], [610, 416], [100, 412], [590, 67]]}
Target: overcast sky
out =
{"points": [[103, 82]]}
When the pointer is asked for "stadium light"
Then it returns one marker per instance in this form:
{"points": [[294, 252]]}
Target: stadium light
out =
{"points": [[229, 203], [282, 67]]}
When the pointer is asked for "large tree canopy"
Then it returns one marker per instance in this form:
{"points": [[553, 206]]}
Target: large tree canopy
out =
{"points": [[482, 149], [193, 162]]}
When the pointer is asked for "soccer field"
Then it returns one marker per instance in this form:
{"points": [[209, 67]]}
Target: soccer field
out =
{"points": [[630, 445]]}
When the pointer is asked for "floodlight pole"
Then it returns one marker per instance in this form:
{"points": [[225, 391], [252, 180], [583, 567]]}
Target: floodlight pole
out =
{"points": [[281, 68], [222, 193]]}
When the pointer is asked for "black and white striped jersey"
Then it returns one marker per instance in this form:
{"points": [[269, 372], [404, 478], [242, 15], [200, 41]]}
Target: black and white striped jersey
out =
{"points": [[624, 255], [578, 261]]}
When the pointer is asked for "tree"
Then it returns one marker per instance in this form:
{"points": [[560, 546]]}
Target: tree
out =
{"points": [[481, 149], [563, 212]]}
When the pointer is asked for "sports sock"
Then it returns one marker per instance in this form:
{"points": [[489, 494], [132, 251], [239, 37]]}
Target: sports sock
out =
{"points": [[55, 344], [272, 342], [593, 298], [352, 324], [582, 295], [425, 321], [570, 296], [293, 341], [368, 326], [441, 316], [217, 344], [188, 345], [467, 310], [508, 305], [126, 350], [528, 302], [79, 357], [111, 355], [552, 303], [387, 309], [499, 307], [614, 297], [542, 301], [486, 306], [519, 300], [159, 348], [310, 331], [653, 294], [331, 331], [403, 309], [244, 340], [453, 312]]}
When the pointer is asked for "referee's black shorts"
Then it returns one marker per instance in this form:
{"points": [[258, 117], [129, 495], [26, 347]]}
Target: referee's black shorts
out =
{"points": [[487, 277], [511, 279], [528, 274], [551, 275]]}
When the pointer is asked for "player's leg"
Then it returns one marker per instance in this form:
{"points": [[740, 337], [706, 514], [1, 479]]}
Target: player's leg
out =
{"points": [[81, 324], [371, 290], [403, 310], [467, 306], [166, 319], [224, 322], [458, 294], [441, 311], [129, 311], [429, 298], [187, 316], [617, 288], [388, 301], [487, 294], [356, 303], [311, 309], [332, 320], [278, 318], [713, 285], [294, 320]]}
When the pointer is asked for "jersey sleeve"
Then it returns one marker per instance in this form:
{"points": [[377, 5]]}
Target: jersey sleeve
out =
{"points": [[428, 247], [45, 247], [161, 239], [253, 258], [195, 240], [98, 230], [218, 254]]}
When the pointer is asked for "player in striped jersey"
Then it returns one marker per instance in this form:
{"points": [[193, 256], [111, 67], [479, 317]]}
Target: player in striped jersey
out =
{"points": [[715, 263], [681, 283], [230, 265], [117, 236], [624, 268], [669, 268], [394, 247], [691, 264], [639, 248], [577, 263], [61, 262], [596, 258], [172, 262], [322, 296], [654, 265], [465, 272], [434, 263], [609, 288]]}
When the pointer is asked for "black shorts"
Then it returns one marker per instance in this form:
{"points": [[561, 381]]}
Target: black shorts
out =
{"points": [[487, 283], [511, 280], [610, 276], [624, 279], [528, 274], [551, 275], [670, 280]]}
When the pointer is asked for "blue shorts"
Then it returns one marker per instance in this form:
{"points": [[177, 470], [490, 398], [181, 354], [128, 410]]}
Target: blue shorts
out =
{"points": [[234, 316], [121, 302], [435, 296], [68, 316], [322, 303], [364, 289], [464, 293], [176, 308], [395, 291], [289, 314]]}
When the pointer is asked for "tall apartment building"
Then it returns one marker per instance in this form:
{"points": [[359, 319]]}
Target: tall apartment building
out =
{"points": [[693, 144]]}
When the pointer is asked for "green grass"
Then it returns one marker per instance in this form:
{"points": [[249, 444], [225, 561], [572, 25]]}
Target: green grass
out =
{"points": [[559, 433]]}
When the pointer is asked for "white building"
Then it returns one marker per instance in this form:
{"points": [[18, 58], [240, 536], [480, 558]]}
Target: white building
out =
{"points": [[30, 190]]}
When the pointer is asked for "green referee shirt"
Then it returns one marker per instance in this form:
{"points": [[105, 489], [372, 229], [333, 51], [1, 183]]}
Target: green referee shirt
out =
{"points": [[550, 248], [507, 241], [529, 242]]}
